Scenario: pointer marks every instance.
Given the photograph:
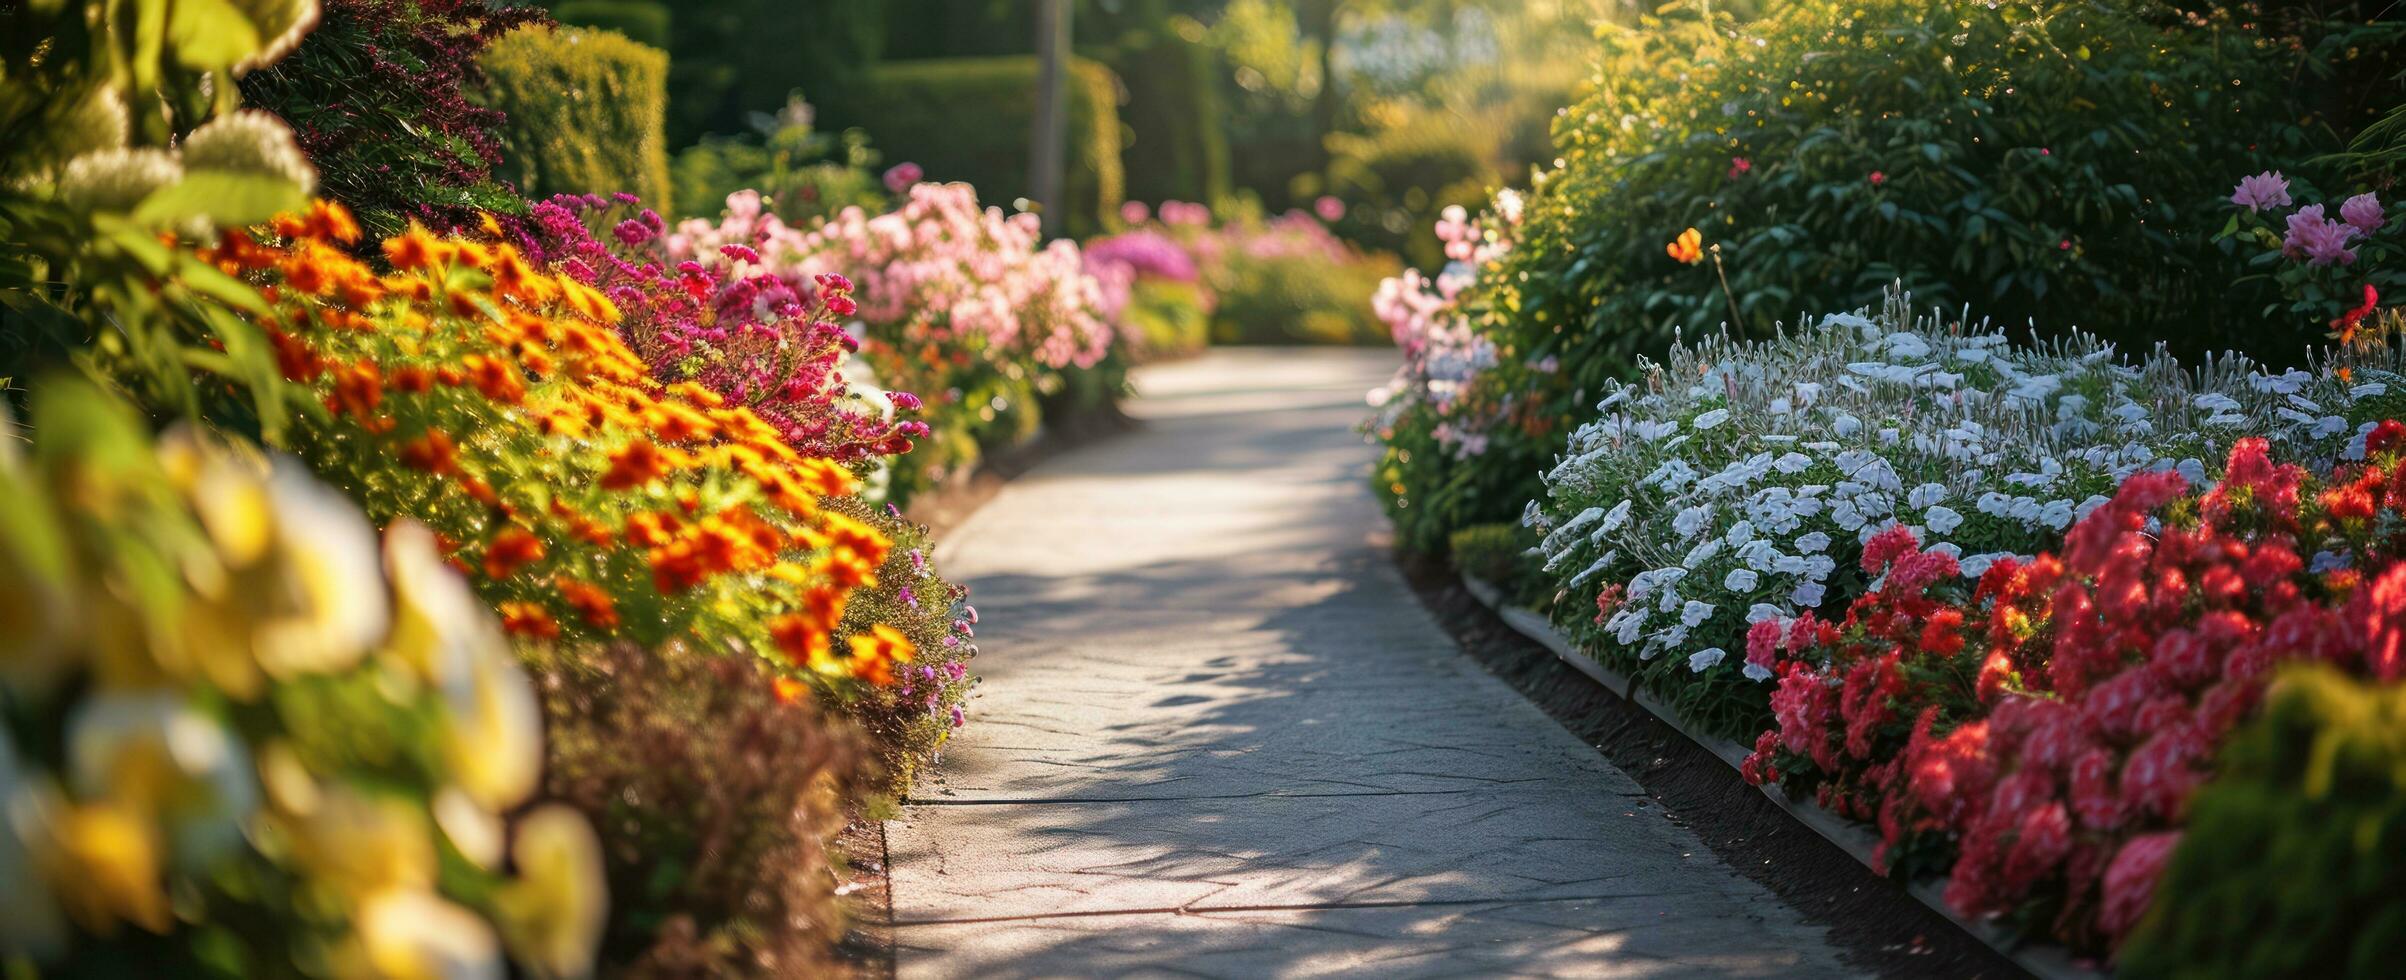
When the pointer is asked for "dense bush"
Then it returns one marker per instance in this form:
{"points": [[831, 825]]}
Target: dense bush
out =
{"points": [[2062, 161], [1152, 290], [644, 22], [586, 111], [914, 110], [729, 58], [1397, 180], [800, 173], [380, 95], [1283, 280], [2292, 860], [716, 794], [243, 737], [1178, 143]]}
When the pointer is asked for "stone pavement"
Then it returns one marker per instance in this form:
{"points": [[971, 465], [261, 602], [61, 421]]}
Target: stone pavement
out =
{"points": [[1218, 736]]}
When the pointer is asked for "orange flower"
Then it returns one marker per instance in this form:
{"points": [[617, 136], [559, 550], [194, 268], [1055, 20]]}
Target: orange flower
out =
{"points": [[789, 690], [329, 219], [358, 389], [433, 452], [511, 549], [1689, 248], [590, 601], [294, 357], [528, 619], [874, 655], [637, 464], [802, 642], [414, 249], [498, 379], [651, 529]]}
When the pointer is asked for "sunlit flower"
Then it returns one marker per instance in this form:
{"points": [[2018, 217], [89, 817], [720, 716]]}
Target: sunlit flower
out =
{"points": [[1688, 248]]}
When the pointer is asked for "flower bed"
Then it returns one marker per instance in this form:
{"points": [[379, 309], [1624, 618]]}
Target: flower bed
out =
{"points": [[1693, 511]]}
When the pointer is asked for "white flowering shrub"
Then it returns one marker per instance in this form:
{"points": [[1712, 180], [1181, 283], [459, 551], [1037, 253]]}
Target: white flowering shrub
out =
{"points": [[1737, 481]]}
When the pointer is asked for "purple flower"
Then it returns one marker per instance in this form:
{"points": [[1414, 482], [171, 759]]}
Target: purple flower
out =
{"points": [[2319, 240], [2363, 213], [2265, 190], [908, 597], [633, 232]]}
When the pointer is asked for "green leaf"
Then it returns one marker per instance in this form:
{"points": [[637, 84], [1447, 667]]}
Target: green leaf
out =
{"points": [[226, 199], [210, 34]]}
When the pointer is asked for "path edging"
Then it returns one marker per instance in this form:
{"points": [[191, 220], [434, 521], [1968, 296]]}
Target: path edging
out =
{"points": [[2041, 959]]}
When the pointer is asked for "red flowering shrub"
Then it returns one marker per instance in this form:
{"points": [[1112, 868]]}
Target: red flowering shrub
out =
{"points": [[2054, 755]]}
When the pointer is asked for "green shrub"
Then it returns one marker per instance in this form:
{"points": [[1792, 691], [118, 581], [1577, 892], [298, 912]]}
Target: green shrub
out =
{"points": [[2063, 162], [379, 95], [715, 801], [1169, 318], [1178, 147], [586, 110], [1301, 297], [801, 172], [728, 58], [1496, 553], [2294, 862], [1396, 181], [642, 21], [968, 119]]}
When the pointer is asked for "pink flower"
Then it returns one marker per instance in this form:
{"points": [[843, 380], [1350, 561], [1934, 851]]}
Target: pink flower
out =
{"points": [[2318, 240], [2130, 880], [2265, 190], [904, 176], [1135, 213], [1329, 208], [1738, 166], [2363, 213], [1878, 178]]}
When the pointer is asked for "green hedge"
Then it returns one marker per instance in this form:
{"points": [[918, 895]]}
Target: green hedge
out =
{"points": [[2294, 863], [587, 112], [1177, 140], [642, 21], [968, 119]]}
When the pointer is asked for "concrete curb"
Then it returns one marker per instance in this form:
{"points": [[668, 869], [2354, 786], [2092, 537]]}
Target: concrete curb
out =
{"points": [[2043, 960]]}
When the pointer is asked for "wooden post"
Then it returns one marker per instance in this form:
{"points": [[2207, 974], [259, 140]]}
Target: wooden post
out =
{"points": [[1050, 140]]}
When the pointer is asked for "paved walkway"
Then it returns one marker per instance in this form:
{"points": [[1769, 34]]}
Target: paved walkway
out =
{"points": [[1219, 737]]}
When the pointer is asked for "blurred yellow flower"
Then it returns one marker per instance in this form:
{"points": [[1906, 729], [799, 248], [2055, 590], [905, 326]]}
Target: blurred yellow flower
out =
{"points": [[552, 916]]}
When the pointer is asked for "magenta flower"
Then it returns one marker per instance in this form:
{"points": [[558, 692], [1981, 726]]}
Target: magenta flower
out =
{"points": [[1135, 213], [904, 176], [1329, 208], [2318, 240], [1878, 178], [2265, 190], [1738, 166], [2363, 213]]}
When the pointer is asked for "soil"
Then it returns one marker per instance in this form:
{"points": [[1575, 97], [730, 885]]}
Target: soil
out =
{"points": [[1875, 924]]}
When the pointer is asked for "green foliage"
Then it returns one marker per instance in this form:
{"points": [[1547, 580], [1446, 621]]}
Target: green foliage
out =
{"points": [[802, 173], [1496, 553], [1166, 319], [2294, 863], [89, 183], [916, 112], [909, 722], [718, 799], [1292, 283], [642, 21], [586, 112], [1397, 180], [728, 58], [379, 93], [2059, 161], [1178, 145]]}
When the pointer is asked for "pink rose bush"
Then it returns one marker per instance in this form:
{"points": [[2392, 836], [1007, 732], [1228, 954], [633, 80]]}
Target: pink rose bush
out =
{"points": [[2334, 268], [964, 305]]}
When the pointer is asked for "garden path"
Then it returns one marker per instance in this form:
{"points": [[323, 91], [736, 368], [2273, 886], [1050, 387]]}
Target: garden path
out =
{"points": [[1218, 736]]}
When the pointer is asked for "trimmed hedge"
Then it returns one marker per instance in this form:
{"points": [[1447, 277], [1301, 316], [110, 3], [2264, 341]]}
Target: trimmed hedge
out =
{"points": [[642, 21], [915, 111], [587, 112]]}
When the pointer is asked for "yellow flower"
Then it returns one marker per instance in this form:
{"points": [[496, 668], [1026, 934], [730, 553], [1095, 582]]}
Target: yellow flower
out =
{"points": [[494, 731], [552, 916], [410, 934]]}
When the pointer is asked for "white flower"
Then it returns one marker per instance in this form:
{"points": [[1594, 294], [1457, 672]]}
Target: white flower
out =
{"points": [[1711, 419], [1807, 595], [1619, 515], [1925, 495], [1757, 672], [1763, 610], [1740, 580], [1705, 658], [1691, 520], [1941, 520], [1695, 613], [1813, 542]]}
